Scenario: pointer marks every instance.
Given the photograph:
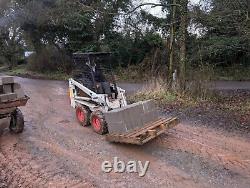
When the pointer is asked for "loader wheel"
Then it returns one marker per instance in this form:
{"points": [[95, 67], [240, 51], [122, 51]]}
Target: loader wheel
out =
{"points": [[98, 123], [17, 122], [82, 115]]}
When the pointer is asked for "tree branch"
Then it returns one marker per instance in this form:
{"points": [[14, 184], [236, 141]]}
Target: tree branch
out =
{"points": [[152, 5]]}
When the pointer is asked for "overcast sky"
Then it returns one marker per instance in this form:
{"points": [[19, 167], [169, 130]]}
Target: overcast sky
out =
{"points": [[157, 10]]}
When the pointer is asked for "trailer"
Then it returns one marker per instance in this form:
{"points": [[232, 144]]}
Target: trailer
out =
{"points": [[11, 97]]}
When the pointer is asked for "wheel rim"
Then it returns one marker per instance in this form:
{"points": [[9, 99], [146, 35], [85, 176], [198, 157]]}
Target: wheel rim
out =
{"points": [[80, 115], [96, 123]]}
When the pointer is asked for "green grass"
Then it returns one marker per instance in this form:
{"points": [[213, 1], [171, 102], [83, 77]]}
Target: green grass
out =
{"points": [[22, 71], [235, 106], [162, 97]]}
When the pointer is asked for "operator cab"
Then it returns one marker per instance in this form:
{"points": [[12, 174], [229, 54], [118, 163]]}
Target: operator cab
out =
{"points": [[93, 70]]}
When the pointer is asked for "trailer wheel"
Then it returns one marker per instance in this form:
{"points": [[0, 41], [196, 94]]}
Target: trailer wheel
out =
{"points": [[83, 115], [98, 123], [17, 122]]}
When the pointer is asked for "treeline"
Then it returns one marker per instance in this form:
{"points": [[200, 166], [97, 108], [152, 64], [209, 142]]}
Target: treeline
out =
{"points": [[213, 32]]}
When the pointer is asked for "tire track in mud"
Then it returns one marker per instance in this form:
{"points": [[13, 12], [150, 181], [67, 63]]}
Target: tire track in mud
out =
{"points": [[198, 144], [70, 150], [18, 169], [53, 152], [44, 134], [93, 167]]}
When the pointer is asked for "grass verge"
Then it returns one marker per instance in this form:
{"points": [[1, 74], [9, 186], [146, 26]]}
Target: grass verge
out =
{"points": [[22, 71], [227, 109], [136, 73]]}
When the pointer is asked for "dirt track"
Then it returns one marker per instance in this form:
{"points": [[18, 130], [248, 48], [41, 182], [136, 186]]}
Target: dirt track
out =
{"points": [[54, 151]]}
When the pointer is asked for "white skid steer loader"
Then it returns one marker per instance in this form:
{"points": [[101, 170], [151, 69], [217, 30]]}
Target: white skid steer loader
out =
{"points": [[103, 105]]}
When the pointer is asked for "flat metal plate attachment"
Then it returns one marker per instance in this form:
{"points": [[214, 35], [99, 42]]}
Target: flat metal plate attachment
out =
{"points": [[143, 135]]}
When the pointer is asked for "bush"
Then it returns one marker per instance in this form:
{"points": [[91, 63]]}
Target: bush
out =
{"points": [[2, 60], [198, 88], [156, 90], [50, 59], [199, 82], [235, 72], [132, 73]]}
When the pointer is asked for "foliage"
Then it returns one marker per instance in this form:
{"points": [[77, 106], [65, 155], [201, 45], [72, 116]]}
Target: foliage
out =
{"points": [[21, 70], [138, 38], [157, 90], [133, 50], [11, 46], [226, 31], [51, 59]]}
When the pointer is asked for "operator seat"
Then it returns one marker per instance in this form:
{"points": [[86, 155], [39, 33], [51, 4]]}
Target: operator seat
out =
{"points": [[103, 86]]}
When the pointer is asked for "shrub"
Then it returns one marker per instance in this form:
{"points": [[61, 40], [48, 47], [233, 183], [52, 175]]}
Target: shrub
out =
{"points": [[49, 59], [199, 82], [156, 89]]}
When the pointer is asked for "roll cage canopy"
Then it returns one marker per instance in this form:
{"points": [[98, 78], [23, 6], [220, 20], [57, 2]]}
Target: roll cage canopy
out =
{"points": [[91, 68], [92, 56]]}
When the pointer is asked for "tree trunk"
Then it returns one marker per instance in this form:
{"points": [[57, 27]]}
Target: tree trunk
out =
{"points": [[172, 38], [183, 36], [248, 10]]}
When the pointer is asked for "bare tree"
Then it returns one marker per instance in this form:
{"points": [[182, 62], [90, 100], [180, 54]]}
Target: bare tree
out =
{"points": [[183, 36], [172, 38]]}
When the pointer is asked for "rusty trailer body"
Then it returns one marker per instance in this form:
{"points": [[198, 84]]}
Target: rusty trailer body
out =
{"points": [[9, 106], [12, 96]]}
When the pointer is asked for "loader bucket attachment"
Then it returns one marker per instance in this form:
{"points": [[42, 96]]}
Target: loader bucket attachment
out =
{"points": [[136, 123]]}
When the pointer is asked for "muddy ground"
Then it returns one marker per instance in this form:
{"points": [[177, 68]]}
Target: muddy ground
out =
{"points": [[54, 151]]}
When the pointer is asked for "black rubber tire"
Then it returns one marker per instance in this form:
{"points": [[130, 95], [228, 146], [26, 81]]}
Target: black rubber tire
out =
{"points": [[86, 112], [17, 122], [103, 129]]}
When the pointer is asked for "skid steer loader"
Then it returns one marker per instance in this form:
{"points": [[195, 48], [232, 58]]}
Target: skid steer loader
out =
{"points": [[99, 102]]}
